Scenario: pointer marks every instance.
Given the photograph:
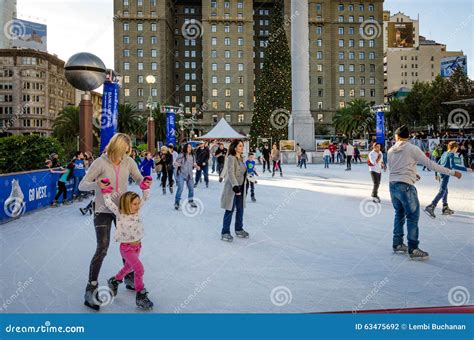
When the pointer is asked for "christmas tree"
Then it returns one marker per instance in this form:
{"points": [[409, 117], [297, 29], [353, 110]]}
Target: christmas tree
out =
{"points": [[273, 92]]}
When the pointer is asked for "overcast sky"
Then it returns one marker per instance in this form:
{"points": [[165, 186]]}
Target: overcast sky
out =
{"points": [[86, 25]]}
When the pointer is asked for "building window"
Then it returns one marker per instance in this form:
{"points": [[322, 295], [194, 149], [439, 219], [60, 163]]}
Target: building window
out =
{"points": [[140, 40], [126, 79], [227, 67], [214, 67], [319, 42], [227, 41], [341, 42], [361, 7], [351, 80], [126, 39], [153, 53], [227, 54], [214, 79], [126, 66], [154, 66], [341, 30], [227, 118], [213, 41], [341, 67], [153, 40], [340, 18], [319, 30], [126, 53], [213, 28], [371, 8], [214, 92], [241, 92], [227, 105], [341, 55], [340, 7], [341, 80], [140, 66], [126, 26], [139, 27], [240, 41], [227, 92], [320, 105], [341, 93], [153, 27], [319, 55], [342, 105], [227, 80], [241, 117], [372, 92], [140, 53], [319, 68], [241, 67]]}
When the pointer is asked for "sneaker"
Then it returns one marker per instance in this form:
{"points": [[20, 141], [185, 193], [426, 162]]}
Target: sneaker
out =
{"points": [[418, 254], [192, 204], [447, 211], [401, 248], [227, 237], [242, 234], [176, 206], [113, 284], [429, 210], [143, 301]]}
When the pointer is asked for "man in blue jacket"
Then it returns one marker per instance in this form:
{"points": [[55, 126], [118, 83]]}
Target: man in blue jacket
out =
{"points": [[448, 161], [79, 173]]}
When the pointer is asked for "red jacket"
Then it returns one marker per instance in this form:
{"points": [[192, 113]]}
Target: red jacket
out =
{"points": [[332, 148]]}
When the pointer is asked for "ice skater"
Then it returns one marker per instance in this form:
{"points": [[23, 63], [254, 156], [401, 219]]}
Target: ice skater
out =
{"points": [[66, 175], [448, 161], [327, 157], [266, 152], [349, 153], [276, 160], [251, 174], [376, 164], [184, 164], [304, 158], [233, 195], [166, 161], [202, 160], [403, 158], [129, 233]]}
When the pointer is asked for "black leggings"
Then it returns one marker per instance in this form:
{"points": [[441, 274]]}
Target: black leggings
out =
{"points": [[102, 224], [275, 165], [61, 190], [166, 175]]}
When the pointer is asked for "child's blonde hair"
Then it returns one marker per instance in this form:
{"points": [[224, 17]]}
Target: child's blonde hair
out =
{"points": [[118, 146], [452, 145], [126, 200]]}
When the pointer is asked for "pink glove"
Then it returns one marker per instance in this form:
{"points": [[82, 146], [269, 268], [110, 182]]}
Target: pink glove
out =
{"points": [[109, 188], [145, 184]]}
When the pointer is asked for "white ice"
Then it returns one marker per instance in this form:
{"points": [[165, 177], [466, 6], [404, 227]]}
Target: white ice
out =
{"points": [[314, 242]]}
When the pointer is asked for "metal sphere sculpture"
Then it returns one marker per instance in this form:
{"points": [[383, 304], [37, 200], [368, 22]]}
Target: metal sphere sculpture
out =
{"points": [[85, 71]]}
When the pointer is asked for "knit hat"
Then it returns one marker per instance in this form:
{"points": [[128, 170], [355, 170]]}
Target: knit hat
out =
{"points": [[402, 132]]}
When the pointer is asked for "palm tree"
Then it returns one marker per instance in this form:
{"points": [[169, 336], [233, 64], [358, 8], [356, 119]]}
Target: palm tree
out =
{"points": [[66, 124], [355, 119], [130, 120], [160, 124]]}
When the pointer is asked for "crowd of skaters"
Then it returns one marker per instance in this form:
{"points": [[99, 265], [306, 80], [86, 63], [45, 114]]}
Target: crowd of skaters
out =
{"points": [[120, 165]]}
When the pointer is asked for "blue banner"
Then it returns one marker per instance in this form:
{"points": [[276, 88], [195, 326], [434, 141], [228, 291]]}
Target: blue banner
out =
{"points": [[109, 113], [24, 192], [250, 326], [380, 128], [170, 128]]}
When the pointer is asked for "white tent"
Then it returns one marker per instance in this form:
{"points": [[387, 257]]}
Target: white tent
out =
{"points": [[222, 131]]}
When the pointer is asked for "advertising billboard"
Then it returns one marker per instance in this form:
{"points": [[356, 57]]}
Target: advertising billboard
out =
{"points": [[27, 34], [400, 35], [449, 64]]}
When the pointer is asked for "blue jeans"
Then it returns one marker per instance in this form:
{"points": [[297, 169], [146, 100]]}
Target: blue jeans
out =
{"points": [[180, 182], [303, 162], [77, 180], [239, 216], [442, 193], [326, 161], [205, 170], [214, 159], [407, 208]]}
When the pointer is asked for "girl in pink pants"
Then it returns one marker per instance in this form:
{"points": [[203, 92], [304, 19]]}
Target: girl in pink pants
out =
{"points": [[129, 233]]}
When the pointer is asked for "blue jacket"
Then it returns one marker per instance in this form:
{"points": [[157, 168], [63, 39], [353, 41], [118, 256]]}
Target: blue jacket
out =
{"points": [[79, 170], [250, 167], [146, 166], [448, 161]]}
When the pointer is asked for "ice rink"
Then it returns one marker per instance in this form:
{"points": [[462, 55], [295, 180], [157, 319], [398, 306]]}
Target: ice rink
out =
{"points": [[317, 244]]}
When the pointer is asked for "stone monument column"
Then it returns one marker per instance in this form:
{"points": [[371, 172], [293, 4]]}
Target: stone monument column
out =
{"points": [[301, 127]]}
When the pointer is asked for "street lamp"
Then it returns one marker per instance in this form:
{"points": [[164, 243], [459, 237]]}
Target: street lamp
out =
{"points": [[150, 79]]}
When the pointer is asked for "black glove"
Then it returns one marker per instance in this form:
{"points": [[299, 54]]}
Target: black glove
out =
{"points": [[236, 189]]}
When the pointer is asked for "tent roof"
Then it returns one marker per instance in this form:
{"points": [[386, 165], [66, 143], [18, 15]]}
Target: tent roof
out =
{"points": [[222, 131]]}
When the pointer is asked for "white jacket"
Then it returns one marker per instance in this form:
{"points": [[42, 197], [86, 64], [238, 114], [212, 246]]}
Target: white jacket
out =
{"points": [[129, 227]]}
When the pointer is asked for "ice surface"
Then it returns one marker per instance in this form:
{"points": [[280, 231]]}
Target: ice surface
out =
{"points": [[315, 245]]}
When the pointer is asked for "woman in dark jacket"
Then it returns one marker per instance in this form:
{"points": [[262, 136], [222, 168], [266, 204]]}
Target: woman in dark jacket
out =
{"points": [[166, 162]]}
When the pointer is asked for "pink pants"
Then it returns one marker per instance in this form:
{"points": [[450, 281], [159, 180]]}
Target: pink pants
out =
{"points": [[130, 253]]}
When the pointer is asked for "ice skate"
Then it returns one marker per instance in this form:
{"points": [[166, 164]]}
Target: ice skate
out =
{"points": [[143, 301], [400, 249], [429, 210], [176, 206], [447, 211], [242, 234], [164, 190], [376, 199], [171, 190], [113, 284], [253, 199], [418, 254], [91, 299], [227, 237], [192, 204]]}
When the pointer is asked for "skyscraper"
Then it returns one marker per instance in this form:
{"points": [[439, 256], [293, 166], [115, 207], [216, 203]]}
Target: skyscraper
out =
{"points": [[206, 55], [7, 13]]}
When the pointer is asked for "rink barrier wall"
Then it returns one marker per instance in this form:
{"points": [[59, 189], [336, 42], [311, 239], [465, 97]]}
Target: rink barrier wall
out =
{"points": [[24, 192]]}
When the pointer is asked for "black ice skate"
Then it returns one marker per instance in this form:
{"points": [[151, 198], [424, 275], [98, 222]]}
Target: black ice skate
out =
{"points": [[429, 210], [253, 199], [171, 190], [418, 254], [143, 301], [400, 249], [114, 284], [129, 280], [91, 298], [164, 190], [242, 234], [192, 204], [176, 206], [376, 199]]}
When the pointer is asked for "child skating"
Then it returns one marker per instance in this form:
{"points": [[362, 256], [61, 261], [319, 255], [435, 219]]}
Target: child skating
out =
{"points": [[129, 233], [251, 173]]}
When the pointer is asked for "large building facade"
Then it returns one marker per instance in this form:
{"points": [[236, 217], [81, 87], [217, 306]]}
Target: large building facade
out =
{"points": [[409, 57], [33, 90], [207, 55]]}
